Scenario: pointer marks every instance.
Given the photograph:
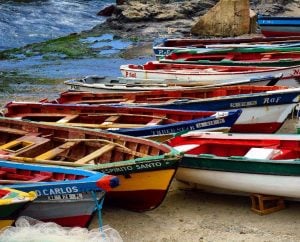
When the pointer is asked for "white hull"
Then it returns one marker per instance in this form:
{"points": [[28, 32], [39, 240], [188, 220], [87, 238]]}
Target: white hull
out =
{"points": [[121, 88], [286, 186], [209, 76], [265, 114]]}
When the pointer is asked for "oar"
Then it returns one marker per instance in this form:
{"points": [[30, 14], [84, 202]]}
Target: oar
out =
{"points": [[20, 159], [99, 126]]}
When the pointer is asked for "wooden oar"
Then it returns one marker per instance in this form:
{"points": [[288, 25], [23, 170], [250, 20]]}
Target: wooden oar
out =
{"points": [[20, 159], [99, 126]]}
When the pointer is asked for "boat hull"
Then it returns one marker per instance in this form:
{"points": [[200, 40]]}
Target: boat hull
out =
{"points": [[66, 210], [142, 191], [286, 186], [279, 26], [290, 75], [259, 114], [143, 185]]}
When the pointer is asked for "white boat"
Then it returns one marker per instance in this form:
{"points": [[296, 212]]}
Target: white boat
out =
{"points": [[111, 84], [255, 163], [207, 74]]}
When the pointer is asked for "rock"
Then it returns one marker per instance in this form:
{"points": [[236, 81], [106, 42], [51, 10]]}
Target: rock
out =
{"points": [[120, 2], [226, 18], [108, 11]]}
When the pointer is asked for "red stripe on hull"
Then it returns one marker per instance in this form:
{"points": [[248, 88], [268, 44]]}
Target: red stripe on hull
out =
{"points": [[267, 128], [139, 201], [74, 221], [279, 34]]}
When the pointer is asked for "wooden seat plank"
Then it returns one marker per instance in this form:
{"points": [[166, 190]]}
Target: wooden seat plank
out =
{"points": [[95, 154], [67, 119], [50, 154]]}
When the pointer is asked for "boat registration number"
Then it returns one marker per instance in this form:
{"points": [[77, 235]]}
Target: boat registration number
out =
{"points": [[76, 196]]}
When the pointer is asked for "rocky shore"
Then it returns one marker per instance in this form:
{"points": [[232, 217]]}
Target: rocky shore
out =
{"points": [[148, 20]]}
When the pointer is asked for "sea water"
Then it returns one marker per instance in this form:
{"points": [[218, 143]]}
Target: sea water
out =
{"points": [[28, 21]]}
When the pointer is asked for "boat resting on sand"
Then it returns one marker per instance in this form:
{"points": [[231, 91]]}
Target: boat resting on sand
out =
{"points": [[145, 168], [277, 57], [109, 84], [254, 163], [165, 47], [158, 124], [208, 74], [64, 194], [264, 109], [272, 26], [12, 202]]}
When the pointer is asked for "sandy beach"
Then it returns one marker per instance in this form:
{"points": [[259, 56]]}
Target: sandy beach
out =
{"points": [[194, 215], [186, 214]]}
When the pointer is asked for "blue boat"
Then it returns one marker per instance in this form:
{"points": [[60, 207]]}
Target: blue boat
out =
{"points": [[279, 26], [263, 112], [147, 122], [65, 195], [264, 108]]}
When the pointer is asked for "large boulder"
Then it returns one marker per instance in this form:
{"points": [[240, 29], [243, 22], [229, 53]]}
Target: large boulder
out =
{"points": [[226, 18]]}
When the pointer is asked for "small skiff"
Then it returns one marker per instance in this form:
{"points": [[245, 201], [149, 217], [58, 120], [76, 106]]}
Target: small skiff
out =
{"points": [[208, 74], [158, 124], [145, 168], [279, 26], [12, 202], [64, 194], [109, 84], [246, 163], [163, 47], [277, 57], [264, 109]]}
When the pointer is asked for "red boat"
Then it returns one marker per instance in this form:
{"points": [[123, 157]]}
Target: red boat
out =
{"points": [[273, 57]]}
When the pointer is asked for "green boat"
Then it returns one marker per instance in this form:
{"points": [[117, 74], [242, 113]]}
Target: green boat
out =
{"points": [[245, 163], [11, 203]]}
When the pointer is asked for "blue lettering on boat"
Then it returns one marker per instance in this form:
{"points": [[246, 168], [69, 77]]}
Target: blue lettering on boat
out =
{"points": [[268, 100], [243, 104], [57, 191]]}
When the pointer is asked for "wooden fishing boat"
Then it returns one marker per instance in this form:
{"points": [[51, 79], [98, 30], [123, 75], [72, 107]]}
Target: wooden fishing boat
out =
{"points": [[145, 168], [209, 74], [12, 201], [279, 26], [163, 47], [254, 163], [158, 124], [279, 57], [110, 84], [64, 194], [264, 109]]}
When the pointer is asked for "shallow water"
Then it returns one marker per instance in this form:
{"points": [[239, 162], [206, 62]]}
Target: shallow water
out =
{"points": [[29, 21]]}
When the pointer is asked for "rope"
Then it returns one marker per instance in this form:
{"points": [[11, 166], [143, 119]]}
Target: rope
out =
{"points": [[98, 207]]}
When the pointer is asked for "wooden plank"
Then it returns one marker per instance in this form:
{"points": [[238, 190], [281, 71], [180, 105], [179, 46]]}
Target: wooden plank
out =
{"points": [[13, 131], [56, 151], [95, 154], [111, 119], [101, 126], [155, 121], [67, 119]]}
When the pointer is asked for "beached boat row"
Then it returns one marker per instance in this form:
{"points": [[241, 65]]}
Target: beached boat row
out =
{"points": [[65, 155]]}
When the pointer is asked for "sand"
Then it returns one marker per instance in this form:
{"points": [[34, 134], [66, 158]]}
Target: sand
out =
{"points": [[195, 215]]}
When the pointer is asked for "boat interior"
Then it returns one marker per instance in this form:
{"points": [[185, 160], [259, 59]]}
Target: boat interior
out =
{"points": [[158, 96], [37, 143], [247, 148], [99, 117]]}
